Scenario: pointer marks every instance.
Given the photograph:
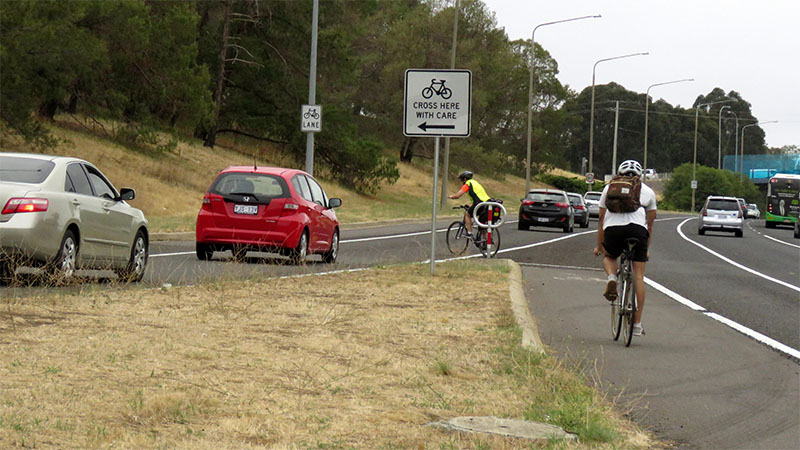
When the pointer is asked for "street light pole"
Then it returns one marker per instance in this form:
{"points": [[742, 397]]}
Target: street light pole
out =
{"points": [[646, 115], [741, 160], [719, 135], [694, 161], [591, 113], [528, 161]]}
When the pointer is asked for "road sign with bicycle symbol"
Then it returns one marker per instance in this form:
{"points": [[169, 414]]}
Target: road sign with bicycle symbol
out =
{"points": [[437, 103], [311, 121]]}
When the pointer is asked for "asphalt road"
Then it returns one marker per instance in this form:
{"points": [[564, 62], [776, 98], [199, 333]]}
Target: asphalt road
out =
{"points": [[692, 379]]}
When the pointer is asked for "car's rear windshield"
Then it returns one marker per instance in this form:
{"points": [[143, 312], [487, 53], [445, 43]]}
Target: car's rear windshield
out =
{"points": [[720, 204], [593, 195], [24, 170], [261, 185], [575, 199], [545, 197]]}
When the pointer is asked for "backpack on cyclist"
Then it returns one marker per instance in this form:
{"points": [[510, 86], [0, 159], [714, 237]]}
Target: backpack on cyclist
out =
{"points": [[623, 194]]}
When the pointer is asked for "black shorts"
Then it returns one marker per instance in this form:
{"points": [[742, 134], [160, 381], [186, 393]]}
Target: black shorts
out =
{"points": [[614, 240]]}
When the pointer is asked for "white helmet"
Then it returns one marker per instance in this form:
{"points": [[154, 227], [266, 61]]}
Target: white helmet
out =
{"points": [[630, 167]]}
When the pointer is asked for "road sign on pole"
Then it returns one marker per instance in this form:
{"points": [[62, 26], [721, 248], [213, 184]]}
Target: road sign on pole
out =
{"points": [[311, 119], [437, 103], [589, 177]]}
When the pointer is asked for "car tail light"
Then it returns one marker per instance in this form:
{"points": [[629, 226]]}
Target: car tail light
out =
{"points": [[579, 207], [289, 209], [528, 202], [705, 213], [23, 205], [562, 205], [208, 198]]}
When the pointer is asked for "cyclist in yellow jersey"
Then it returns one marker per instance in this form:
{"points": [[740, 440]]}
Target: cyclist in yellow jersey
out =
{"points": [[475, 191]]}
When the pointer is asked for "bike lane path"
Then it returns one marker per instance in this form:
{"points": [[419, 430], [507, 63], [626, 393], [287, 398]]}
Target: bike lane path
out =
{"points": [[690, 379]]}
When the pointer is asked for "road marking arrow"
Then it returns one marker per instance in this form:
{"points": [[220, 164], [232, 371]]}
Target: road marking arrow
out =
{"points": [[424, 126]]}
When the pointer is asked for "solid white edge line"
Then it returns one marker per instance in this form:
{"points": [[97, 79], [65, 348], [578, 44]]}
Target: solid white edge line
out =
{"points": [[732, 262], [755, 335], [673, 295]]}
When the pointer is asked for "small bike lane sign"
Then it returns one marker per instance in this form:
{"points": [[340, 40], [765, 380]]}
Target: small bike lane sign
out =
{"points": [[311, 120], [437, 103]]}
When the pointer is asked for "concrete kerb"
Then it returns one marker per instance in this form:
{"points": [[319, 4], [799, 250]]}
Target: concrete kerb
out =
{"points": [[519, 305]]}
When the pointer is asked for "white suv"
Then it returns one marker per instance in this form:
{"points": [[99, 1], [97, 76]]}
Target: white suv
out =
{"points": [[721, 214]]}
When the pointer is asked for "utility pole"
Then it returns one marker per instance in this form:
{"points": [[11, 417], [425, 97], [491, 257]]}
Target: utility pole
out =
{"points": [[616, 129], [312, 87], [446, 156]]}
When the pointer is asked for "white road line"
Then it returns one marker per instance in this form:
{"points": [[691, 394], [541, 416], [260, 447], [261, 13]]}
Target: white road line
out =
{"points": [[172, 254], [755, 335], [674, 295], [770, 237], [734, 263]]}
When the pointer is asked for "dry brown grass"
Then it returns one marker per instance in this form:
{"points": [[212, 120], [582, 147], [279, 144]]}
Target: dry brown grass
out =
{"points": [[355, 360]]}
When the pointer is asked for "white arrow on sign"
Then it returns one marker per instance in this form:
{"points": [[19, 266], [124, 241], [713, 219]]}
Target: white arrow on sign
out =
{"points": [[437, 103]]}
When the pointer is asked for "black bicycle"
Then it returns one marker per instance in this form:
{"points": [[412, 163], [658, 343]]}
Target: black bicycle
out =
{"points": [[623, 308], [458, 239]]}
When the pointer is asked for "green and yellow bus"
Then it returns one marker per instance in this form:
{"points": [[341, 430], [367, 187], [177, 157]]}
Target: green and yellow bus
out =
{"points": [[783, 203]]}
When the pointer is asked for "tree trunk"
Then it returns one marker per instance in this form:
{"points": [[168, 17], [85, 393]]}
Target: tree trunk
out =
{"points": [[211, 137], [47, 110], [407, 150]]}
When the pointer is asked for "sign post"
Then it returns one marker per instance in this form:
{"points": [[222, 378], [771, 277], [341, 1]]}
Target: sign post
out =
{"points": [[437, 103]]}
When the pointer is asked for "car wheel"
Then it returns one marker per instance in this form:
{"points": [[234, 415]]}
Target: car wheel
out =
{"points": [[796, 233], [585, 224], [329, 257], [137, 263], [63, 266], [204, 251], [739, 233], [301, 251], [523, 226]]}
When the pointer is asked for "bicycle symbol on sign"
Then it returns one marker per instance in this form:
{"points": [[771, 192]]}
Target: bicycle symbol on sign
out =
{"points": [[441, 90], [311, 113]]}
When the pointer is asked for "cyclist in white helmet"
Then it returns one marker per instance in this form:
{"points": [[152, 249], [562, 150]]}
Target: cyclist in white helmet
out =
{"points": [[612, 230]]}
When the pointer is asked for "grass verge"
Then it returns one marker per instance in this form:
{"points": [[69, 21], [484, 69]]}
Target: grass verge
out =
{"points": [[352, 360]]}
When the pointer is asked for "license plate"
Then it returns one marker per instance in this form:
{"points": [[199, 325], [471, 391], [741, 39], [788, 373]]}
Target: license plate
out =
{"points": [[543, 219], [245, 209]]}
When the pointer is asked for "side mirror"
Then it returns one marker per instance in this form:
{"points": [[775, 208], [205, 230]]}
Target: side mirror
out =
{"points": [[127, 194], [334, 203]]}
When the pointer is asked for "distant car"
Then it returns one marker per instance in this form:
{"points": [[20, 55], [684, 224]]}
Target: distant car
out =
{"points": [[267, 209], [592, 199], [721, 214], [743, 205], [546, 208], [579, 208], [650, 173], [63, 214], [753, 211]]}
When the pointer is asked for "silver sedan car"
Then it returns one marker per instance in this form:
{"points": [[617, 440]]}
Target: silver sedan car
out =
{"points": [[63, 214]]}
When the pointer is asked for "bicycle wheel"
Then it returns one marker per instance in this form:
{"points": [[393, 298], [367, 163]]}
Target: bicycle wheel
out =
{"points": [[489, 250], [457, 240], [629, 307], [616, 317]]}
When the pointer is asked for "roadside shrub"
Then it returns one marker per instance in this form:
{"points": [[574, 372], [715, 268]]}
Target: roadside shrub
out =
{"points": [[710, 181], [576, 185]]}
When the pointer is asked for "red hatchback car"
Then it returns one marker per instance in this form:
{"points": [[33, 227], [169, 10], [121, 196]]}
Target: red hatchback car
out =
{"points": [[267, 209]]}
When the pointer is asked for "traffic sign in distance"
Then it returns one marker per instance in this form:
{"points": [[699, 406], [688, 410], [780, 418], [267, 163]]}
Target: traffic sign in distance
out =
{"points": [[437, 103], [589, 177], [311, 119]]}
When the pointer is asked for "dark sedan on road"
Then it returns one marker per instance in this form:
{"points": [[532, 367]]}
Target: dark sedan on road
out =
{"points": [[580, 209], [546, 208]]}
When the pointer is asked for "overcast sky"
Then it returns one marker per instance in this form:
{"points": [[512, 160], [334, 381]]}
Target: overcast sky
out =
{"points": [[748, 46]]}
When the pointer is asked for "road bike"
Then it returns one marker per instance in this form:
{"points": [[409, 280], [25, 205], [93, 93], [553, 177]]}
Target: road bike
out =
{"points": [[441, 91], [458, 239], [623, 308]]}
